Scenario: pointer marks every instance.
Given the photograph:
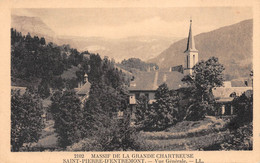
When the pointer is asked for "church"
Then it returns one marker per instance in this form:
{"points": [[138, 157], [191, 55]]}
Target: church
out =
{"points": [[146, 83]]}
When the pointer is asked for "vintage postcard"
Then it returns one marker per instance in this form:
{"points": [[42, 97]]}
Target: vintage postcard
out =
{"points": [[130, 81]]}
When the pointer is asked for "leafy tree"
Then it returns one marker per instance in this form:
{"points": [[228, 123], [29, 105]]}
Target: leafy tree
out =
{"points": [[243, 108], [43, 89], [165, 108], [206, 75], [26, 120], [68, 117], [142, 111], [240, 139], [161, 114], [136, 63], [108, 95]]}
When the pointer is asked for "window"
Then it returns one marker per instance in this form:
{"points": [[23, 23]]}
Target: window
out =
{"points": [[187, 61], [193, 60], [137, 95]]}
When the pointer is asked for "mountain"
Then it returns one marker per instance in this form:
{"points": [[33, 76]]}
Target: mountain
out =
{"points": [[143, 47], [233, 45], [33, 25]]}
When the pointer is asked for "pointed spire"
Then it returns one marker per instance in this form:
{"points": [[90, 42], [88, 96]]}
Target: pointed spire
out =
{"points": [[191, 42]]}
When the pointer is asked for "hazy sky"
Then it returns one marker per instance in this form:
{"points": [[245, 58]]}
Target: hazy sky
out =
{"points": [[126, 22]]}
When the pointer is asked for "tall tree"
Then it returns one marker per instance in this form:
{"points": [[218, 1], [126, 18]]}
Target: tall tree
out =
{"points": [[161, 114], [206, 75], [68, 117], [26, 120]]}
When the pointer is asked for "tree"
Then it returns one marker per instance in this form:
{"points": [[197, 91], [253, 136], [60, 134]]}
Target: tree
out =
{"points": [[43, 89], [136, 63], [161, 114], [68, 117], [142, 111], [165, 108], [241, 126], [26, 120], [243, 108], [207, 75]]}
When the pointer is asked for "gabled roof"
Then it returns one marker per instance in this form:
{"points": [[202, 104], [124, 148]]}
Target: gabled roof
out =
{"points": [[84, 90], [223, 93], [241, 83], [145, 81]]}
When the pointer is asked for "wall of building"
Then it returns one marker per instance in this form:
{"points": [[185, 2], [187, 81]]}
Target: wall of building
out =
{"points": [[135, 95]]}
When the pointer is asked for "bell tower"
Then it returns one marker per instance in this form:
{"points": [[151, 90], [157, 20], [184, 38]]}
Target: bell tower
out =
{"points": [[191, 52]]}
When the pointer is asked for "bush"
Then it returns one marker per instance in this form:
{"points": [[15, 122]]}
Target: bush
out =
{"points": [[196, 111], [241, 139], [114, 136]]}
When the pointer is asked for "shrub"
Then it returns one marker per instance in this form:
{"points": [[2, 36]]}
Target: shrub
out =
{"points": [[241, 139]]}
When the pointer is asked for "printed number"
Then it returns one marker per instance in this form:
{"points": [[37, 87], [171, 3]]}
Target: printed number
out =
{"points": [[78, 155]]}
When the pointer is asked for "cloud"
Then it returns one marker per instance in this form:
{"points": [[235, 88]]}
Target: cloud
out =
{"points": [[146, 27], [127, 22]]}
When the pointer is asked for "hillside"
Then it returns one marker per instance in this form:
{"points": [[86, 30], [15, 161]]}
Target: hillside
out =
{"points": [[231, 44]]}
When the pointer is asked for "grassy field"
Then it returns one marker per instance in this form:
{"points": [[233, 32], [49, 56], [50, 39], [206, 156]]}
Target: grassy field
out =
{"points": [[186, 135]]}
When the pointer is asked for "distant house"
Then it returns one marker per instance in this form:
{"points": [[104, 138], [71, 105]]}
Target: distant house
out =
{"points": [[225, 95], [83, 90]]}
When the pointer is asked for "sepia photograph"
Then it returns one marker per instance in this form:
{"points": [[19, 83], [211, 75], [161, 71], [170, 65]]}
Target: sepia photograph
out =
{"points": [[131, 79]]}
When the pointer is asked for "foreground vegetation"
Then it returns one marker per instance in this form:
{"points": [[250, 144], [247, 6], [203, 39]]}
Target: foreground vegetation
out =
{"points": [[177, 120], [186, 135]]}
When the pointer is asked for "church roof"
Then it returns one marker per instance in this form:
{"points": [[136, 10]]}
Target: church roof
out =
{"points": [[190, 42], [84, 90], [150, 81]]}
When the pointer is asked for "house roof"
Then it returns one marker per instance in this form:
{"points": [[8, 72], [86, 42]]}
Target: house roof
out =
{"points": [[241, 83], [22, 90], [152, 80], [222, 93], [84, 89]]}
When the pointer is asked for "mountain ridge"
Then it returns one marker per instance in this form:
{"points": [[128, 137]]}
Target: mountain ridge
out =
{"points": [[231, 44], [143, 47]]}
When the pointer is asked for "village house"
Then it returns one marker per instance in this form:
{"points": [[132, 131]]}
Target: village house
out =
{"points": [[83, 90], [146, 83], [225, 95]]}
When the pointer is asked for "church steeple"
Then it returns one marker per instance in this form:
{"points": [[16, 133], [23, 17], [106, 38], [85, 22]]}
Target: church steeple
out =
{"points": [[191, 57], [191, 42]]}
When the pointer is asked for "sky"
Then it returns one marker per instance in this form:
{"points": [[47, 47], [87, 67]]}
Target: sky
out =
{"points": [[129, 22]]}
